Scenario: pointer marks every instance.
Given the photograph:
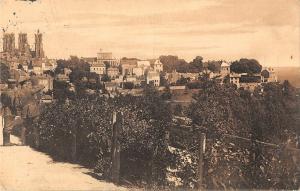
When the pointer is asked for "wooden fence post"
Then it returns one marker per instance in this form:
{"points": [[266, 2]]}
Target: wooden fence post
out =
{"points": [[116, 147], [23, 135], [36, 137], [200, 161], [74, 147]]}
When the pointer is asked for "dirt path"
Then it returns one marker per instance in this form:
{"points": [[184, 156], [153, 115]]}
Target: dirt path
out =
{"points": [[22, 168]]}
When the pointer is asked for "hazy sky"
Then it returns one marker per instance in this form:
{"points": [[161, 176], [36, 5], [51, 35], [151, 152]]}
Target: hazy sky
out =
{"points": [[267, 30]]}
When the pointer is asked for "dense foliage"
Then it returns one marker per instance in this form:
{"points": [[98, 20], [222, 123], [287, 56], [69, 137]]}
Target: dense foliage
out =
{"points": [[226, 114], [237, 124], [88, 123], [72, 63], [171, 63], [244, 65], [214, 66]]}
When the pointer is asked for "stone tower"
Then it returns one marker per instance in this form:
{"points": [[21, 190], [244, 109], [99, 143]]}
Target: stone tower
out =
{"points": [[23, 43], [8, 42], [39, 52]]}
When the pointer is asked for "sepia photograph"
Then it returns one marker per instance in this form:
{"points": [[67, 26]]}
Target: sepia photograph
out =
{"points": [[129, 95]]}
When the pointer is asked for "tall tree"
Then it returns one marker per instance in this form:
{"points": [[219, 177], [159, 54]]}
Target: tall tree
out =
{"points": [[245, 65]]}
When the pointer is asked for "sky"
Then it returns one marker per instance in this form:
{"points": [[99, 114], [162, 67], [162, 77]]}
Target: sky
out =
{"points": [[266, 30]]}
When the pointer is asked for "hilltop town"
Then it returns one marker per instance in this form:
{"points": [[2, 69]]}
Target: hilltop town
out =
{"points": [[106, 74]]}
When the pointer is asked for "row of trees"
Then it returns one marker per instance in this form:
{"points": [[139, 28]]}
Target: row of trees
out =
{"points": [[244, 65], [231, 162], [88, 122], [171, 63]]}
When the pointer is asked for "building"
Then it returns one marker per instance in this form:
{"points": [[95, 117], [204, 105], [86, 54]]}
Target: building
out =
{"points": [[53, 63], [245, 81], [89, 59], [119, 79], [8, 42], [269, 75], [39, 52], [130, 78], [46, 99], [138, 71], [98, 68], [23, 46], [46, 81], [127, 66], [24, 76], [39, 66], [25, 67], [143, 64], [67, 71], [235, 79], [112, 72], [158, 66], [111, 86], [107, 59], [191, 76], [13, 65], [46, 66], [37, 69], [225, 69], [173, 77], [153, 78]]}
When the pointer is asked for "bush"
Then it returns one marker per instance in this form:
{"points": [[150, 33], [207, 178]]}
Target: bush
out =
{"points": [[143, 147]]}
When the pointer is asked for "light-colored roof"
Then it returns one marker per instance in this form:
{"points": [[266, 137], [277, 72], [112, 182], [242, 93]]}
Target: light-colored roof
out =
{"points": [[225, 64], [97, 64], [235, 75], [142, 63], [112, 69], [129, 62]]}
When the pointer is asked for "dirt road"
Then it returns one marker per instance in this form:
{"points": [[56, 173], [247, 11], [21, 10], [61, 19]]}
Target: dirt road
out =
{"points": [[22, 168]]}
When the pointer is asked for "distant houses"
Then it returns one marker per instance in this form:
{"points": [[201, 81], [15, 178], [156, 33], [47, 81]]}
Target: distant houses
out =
{"points": [[126, 70], [113, 73]]}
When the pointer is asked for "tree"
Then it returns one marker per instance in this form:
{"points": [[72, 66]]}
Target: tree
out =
{"points": [[107, 65], [182, 81], [128, 85], [231, 162], [265, 73], [105, 78], [89, 120], [197, 63], [194, 85], [246, 66], [178, 110], [166, 95], [171, 63], [214, 66], [61, 91], [4, 73], [163, 80]]}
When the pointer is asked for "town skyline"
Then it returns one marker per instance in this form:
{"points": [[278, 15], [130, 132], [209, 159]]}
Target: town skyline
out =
{"points": [[146, 30]]}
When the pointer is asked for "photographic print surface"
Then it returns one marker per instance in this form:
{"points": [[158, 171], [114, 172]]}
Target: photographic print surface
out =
{"points": [[149, 95]]}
